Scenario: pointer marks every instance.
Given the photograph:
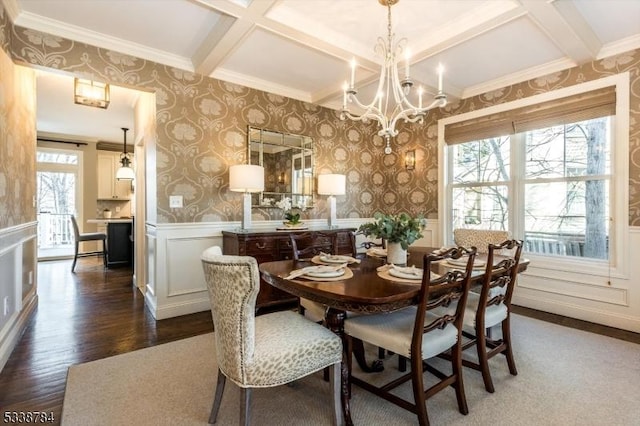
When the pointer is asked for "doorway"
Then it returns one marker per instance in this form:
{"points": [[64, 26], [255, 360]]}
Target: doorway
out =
{"points": [[58, 187]]}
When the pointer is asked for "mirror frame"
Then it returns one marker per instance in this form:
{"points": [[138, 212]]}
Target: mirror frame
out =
{"points": [[301, 147]]}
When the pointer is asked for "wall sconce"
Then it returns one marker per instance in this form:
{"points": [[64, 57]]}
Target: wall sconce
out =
{"points": [[410, 160], [281, 178], [91, 93], [246, 178], [331, 185]]}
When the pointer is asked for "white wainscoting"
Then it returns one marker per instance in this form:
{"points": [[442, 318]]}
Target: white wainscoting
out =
{"points": [[609, 300], [176, 283], [17, 284]]}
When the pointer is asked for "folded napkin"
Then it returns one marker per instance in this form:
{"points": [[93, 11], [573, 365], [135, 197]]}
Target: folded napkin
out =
{"points": [[349, 258], [409, 270], [324, 268], [376, 251]]}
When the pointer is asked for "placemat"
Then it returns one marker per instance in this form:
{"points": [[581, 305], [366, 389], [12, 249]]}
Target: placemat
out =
{"points": [[385, 275]]}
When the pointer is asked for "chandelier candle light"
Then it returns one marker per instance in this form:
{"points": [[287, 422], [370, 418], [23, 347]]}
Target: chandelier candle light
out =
{"points": [[389, 86]]}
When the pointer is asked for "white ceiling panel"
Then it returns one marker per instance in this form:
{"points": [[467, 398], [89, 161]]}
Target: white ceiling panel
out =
{"points": [[611, 20], [516, 46], [271, 58], [174, 26]]}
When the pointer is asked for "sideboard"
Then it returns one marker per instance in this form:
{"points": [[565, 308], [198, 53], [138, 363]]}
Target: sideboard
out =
{"points": [[267, 246]]}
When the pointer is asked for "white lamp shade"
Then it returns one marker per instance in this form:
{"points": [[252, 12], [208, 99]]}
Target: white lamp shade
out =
{"points": [[246, 178], [125, 173], [332, 184]]}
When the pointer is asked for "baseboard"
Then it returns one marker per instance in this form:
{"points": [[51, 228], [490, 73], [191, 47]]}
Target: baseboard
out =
{"points": [[608, 318], [12, 337], [185, 308]]}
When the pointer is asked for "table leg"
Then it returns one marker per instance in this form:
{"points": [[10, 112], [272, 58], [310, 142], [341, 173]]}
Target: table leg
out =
{"points": [[358, 351], [335, 322]]}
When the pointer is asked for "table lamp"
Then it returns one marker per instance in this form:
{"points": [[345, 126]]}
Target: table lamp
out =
{"points": [[332, 185], [246, 178]]}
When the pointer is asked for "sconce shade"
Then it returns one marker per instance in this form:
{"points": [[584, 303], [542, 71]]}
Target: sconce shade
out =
{"points": [[410, 160], [246, 178], [332, 184], [91, 93]]}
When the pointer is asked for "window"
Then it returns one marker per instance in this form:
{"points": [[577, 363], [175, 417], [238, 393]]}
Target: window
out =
{"points": [[564, 181], [552, 169]]}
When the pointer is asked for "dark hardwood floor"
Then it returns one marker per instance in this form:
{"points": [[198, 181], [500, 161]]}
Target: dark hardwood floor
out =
{"points": [[95, 313], [81, 317]]}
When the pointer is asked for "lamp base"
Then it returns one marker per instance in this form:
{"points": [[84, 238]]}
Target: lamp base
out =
{"points": [[246, 212], [332, 220]]}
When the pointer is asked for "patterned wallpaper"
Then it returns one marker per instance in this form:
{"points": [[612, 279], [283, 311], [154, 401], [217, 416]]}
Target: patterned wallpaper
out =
{"points": [[17, 138], [202, 123]]}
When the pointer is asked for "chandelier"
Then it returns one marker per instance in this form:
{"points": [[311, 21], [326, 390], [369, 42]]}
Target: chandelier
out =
{"points": [[390, 87]]}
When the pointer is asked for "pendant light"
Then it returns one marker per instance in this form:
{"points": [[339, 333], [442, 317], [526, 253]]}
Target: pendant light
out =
{"points": [[125, 172]]}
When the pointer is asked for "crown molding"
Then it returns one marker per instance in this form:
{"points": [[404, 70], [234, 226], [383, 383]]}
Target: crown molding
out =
{"points": [[518, 77], [83, 35], [620, 46], [259, 84]]}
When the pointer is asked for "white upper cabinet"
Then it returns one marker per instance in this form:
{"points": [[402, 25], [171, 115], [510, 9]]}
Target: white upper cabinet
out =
{"points": [[109, 188]]}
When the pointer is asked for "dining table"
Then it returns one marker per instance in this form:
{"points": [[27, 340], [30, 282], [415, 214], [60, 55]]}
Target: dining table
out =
{"points": [[364, 290]]}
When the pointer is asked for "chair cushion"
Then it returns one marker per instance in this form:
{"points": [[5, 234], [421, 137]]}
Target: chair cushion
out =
{"points": [[289, 347], [394, 331], [91, 236], [494, 314]]}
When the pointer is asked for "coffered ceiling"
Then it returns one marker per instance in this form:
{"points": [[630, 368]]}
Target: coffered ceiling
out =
{"points": [[302, 48]]}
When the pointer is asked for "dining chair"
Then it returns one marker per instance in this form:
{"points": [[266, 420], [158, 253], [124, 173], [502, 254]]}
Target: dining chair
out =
{"points": [[479, 238], [419, 333], [264, 351], [87, 236], [492, 306], [307, 245]]}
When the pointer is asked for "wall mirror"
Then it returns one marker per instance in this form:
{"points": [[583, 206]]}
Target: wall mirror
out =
{"points": [[288, 161]]}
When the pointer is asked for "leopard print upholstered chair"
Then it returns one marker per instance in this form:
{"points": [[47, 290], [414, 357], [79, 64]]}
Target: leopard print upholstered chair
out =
{"points": [[264, 351], [479, 238]]}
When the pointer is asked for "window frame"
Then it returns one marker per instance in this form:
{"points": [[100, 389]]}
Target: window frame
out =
{"points": [[617, 265]]}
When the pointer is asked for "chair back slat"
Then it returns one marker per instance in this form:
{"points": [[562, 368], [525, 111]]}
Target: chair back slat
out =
{"points": [[500, 277], [444, 296], [309, 244]]}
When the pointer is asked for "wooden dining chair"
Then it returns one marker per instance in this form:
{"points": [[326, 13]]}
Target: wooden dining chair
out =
{"points": [[491, 307], [87, 236], [479, 238], [264, 351], [307, 245], [419, 333]]}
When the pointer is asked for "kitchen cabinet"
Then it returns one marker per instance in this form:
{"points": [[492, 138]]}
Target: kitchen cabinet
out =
{"points": [[119, 241], [109, 188], [269, 246]]}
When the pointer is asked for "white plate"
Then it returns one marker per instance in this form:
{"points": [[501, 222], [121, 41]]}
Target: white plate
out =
{"points": [[406, 273], [335, 258], [324, 272]]}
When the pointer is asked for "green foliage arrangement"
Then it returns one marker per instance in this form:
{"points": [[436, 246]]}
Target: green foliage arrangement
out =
{"points": [[400, 228]]}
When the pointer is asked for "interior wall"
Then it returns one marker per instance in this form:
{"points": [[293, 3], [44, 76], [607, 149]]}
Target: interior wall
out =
{"points": [[17, 210]]}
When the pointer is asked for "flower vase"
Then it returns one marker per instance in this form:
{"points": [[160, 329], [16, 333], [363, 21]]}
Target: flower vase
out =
{"points": [[396, 254]]}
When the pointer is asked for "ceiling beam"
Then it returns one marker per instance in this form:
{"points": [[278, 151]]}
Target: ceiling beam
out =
{"points": [[566, 27]]}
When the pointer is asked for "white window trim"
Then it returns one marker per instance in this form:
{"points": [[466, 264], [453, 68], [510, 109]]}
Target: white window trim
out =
{"points": [[618, 264]]}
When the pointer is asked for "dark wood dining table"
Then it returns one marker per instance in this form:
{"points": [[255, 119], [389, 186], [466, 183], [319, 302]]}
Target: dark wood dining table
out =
{"points": [[365, 292]]}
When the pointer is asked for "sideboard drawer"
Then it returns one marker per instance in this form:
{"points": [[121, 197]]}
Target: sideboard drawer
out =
{"points": [[260, 245]]}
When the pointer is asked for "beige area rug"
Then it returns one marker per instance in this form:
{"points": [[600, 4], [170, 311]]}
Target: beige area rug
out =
{"points": [[566, 377]]}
